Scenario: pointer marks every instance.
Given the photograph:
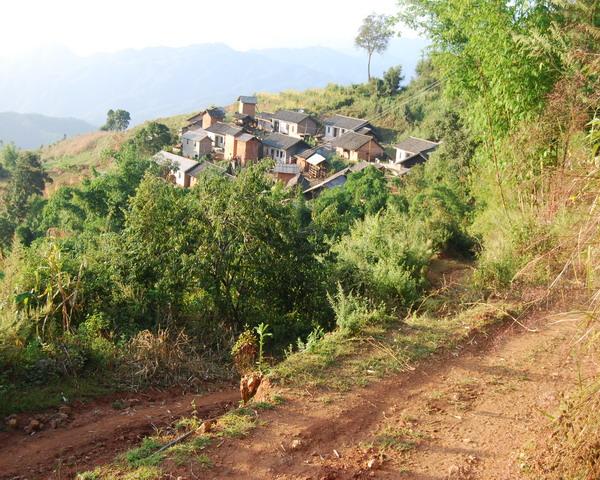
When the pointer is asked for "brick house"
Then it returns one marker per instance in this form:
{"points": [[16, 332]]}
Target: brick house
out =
{"points": [[247, 105], [356, 147]]}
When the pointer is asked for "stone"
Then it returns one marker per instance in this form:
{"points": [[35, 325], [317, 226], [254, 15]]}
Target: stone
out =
{"points": [[207, 426], [33, 426], [296, 444], [65, 409], [12, 421]]}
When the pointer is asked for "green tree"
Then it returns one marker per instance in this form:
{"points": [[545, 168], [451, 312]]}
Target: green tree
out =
{"points": [[374, 36], [482, 58], [116, 120], [27, 180], [391, 80], [8, 158], [152, 138]]}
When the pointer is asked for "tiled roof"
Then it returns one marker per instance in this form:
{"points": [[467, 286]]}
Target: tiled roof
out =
{"points": [[351, 141], [216, 112], [196, 135], [416, 145], [281, 141], [203, 167], [245, 137], [342, 121], [181, 163], [220, 128], [247, 99], [286, 168], [290, 116]]}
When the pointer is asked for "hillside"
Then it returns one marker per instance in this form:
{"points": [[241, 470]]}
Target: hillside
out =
{"points": [[155, 82], [69, 161], [31, 130]]}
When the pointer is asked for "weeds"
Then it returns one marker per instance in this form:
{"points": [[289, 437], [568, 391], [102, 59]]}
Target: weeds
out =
{"points": [[237, 423], [145, 455]]}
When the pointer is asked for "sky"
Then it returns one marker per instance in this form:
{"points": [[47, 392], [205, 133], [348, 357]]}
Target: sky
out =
{"points": [[91, 26]]}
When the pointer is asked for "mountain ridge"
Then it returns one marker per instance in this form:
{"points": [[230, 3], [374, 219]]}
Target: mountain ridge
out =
{"points": [[161, 81], [31, 130]]}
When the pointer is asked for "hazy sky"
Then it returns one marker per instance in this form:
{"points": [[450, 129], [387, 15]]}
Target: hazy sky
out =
{"points": [[89, 26]]}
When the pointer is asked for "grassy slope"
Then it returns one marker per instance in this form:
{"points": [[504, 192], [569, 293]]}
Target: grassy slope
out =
{"points": [[71, 160]]}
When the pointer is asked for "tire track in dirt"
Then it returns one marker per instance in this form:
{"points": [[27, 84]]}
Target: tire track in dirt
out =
{"points": [[97, 433], [467, 415]]}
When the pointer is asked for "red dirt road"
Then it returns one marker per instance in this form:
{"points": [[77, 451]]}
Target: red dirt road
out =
{"points": [[465, 416], [98, 432]]}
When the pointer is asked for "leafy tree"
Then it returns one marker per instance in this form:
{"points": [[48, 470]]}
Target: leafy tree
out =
{"points": [[374, 36], [116, 120], [336, 209], [152, 138], [391, 80], [28, 179], [482, 58], [8, 159]]}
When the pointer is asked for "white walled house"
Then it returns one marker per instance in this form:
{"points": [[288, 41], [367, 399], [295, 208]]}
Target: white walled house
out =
{"points": [[337, 125], [415, 149], [179, 166], [195, 143], [294, 124], [282, 148]]}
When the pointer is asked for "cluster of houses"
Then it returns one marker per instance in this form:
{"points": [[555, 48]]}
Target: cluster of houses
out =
{"points": [[301, 145]]}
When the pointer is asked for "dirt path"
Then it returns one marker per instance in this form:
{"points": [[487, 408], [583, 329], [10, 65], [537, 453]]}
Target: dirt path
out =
{"points": [[96, 432], [465, 416]]}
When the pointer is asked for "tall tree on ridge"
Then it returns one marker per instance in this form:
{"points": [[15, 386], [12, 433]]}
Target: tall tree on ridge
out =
{"points": [[374, 35]]}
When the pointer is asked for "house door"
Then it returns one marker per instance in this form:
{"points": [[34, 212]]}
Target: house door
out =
{"points": [[335, 132]]}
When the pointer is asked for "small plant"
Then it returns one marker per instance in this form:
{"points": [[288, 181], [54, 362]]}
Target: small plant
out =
{"points": [[263, 334], [183, 452], [237, 423], [90, 475], [400, 439], [145, 455], [205, 461], [263, 405]]}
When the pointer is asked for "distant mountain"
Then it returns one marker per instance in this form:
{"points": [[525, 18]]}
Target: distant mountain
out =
{"points": [[162, 81], [31, 130]]}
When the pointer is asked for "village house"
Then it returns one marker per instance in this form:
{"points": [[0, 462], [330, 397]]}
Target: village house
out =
{"points": [[196, 143], [247, 105], [356, 146], [223, 138], [247, 149], [264, 121], [294, 124], [314, 161], [285, 172], [179, 167], [204, 119], [337, 125], [414, 151], [282, 148]]}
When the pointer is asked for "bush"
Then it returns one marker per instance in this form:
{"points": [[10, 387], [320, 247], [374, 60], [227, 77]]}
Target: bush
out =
{"points": [[384, 258], [353, 313]]}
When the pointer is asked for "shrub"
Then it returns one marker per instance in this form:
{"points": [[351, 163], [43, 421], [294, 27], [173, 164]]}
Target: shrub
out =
{"points": [[352, 313]]}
